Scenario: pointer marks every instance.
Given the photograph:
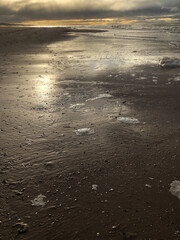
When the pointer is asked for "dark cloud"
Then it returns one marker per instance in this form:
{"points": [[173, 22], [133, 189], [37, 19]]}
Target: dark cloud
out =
{"points": [[29, 12], [5, 11], [7, 15]]}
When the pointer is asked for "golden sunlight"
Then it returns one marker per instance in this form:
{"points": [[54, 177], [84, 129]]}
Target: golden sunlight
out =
{"points": [[55, 23]]}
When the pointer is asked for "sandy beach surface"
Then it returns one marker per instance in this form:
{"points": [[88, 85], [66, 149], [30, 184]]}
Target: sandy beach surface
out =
{"points": [[89, 134]]}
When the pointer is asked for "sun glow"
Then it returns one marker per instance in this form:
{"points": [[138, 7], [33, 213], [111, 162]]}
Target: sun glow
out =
{"points": [[54, 23]]}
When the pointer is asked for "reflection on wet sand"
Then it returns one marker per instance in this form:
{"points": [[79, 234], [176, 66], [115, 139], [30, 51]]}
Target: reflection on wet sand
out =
{"points": [[43, 87], [89, 55]]}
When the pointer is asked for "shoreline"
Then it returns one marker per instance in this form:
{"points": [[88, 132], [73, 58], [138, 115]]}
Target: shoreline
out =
{"points": [[41, 35]]}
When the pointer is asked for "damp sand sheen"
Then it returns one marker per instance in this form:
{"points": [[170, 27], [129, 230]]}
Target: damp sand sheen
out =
{"points": [[89, 127]]}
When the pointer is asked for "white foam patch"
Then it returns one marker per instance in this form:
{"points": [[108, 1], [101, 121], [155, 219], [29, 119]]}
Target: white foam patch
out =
{"points": [[128, 120], [94, 187], [175, 188], [77, 106], [169, 62], [154, 81], [84, 131], [105, 95], [38, 201], [177, 79]]}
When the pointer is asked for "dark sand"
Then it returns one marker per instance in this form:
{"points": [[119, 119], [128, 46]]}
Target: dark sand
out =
{"points": [[41, 154]]}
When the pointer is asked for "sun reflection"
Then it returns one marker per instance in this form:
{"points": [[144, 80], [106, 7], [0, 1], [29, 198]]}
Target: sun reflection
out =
{"points": [[44, 87], [45, 79]]}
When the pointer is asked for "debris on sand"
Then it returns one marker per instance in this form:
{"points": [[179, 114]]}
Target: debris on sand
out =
{"points": [[148, 186], [105, 95], [94, 187], [129, 235], [77, 106], [22, 227], [29, 141], [128, 120], [114, 227], [38, 201], [173, 44], [19, 193], [175, 188], [49, 164], [84, 131], [167, 62]]}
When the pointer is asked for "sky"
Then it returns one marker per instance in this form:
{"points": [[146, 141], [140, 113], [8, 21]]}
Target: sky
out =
{"points": [[53, 12]]}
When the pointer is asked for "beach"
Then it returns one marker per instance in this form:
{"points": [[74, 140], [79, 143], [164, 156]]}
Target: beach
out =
{"points": [[89, 134]]}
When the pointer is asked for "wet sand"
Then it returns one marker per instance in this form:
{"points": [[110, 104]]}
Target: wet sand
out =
{"points": [[132, 165]]}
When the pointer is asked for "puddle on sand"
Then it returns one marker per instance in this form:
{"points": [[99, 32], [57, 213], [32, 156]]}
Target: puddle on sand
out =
{"points": [[168, 62], [38, 201], [128, 120], [84, 131], [175, 188]]}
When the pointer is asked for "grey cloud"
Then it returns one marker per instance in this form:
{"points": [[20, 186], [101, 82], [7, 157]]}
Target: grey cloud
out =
{"points": [[5, 11], [39, 14], [7, 15], [173, 5], [170, 3], [50, 11]]}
